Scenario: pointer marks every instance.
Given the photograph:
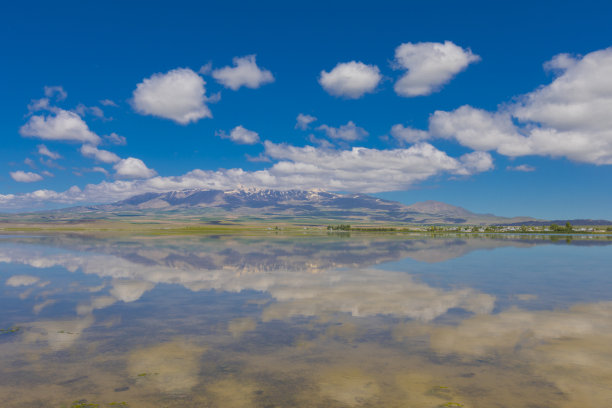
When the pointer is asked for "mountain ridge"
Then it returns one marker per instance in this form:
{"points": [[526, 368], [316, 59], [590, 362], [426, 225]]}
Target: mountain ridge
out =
{"points": [[285, 204], [244, 205]]}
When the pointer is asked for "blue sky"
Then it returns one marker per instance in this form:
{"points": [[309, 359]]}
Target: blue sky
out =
{"points": [[500, 107]]}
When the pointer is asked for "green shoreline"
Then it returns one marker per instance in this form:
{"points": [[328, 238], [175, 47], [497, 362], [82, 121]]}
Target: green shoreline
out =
{"points": [[256, 228]]}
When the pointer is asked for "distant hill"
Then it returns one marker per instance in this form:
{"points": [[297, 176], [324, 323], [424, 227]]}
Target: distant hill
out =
{"points": [[287, 205], [583, 222]]}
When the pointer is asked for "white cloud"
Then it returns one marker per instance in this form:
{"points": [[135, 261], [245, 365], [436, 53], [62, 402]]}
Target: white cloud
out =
{"points": [[104, 156], [350, 79], [241, 135], [56, 92], [568, 118], [44, 151], [50, 163], [303, 121], [560, 63], [367, 170], [479, 130], [406, 134], [475, 162], [521, 167], [115, 139], [332, 288], [40, 104], [22, 280], [430, 66], [108, 102], [51, 92], [29, 162], [178, 95], [64, 126], [245, 72], [47, 173], [349, 132], [130, 290], [25, 176], [206, 68], [358, 169], [102, 170], [83, 110], [133, 168], [322, 143]]}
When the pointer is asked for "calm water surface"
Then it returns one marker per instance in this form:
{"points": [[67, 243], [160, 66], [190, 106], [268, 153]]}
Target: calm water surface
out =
{"points": [[276, 321]]}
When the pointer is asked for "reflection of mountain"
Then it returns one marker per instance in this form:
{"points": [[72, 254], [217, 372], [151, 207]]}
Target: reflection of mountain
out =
{"points": [[285, 205], [287, 253], [306, 277]]}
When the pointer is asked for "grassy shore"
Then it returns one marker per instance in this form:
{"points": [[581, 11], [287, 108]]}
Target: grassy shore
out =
{"points": [[297, 226]]}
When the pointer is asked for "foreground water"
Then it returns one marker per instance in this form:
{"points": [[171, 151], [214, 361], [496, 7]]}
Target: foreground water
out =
{"points": [[337, 321]]}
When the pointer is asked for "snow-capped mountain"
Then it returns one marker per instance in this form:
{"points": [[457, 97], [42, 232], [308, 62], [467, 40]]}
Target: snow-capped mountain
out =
{"points": [[278, 204]]}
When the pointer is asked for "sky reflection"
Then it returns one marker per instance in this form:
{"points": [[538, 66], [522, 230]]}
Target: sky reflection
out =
{"points": [[230, 321]]}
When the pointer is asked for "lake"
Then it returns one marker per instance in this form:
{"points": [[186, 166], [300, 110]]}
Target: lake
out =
{"points": [[338, 320]]}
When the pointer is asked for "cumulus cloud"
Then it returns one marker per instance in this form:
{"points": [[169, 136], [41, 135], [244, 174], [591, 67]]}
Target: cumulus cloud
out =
{"points": [[358, 169], [29, 162], [569, 118], [63, 125], [563, 347], [480, 130], [47, 173], [350, 79], [406, 134], [56, 92], [129, 290], [206, 68], [108, 102], [521, 167], [241, 135], [115, 139], [133, 168], [100, 170], [245, 72], [367, 170], [303, 121], [44, 151], [104, 156], [389, 294], [178, 95], [430, 66], [50, 163], [22, 280], [332, 289], [51, 92], [40, 104], [349, 132], [83, 110], [560, 63], [25, 176]]}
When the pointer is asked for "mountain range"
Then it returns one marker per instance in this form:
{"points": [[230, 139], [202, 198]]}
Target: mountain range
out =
{"points": [[265, 204], [257, 205]]}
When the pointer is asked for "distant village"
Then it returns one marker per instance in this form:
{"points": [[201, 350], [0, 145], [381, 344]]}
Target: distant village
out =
{"points": [[552, 228], [522, 228]]}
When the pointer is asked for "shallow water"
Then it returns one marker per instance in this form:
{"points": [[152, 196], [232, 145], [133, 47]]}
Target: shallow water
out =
{"points": [[336, 321]]}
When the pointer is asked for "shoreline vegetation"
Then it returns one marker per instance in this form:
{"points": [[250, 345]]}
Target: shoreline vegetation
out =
{"points": [[314, 227]]}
